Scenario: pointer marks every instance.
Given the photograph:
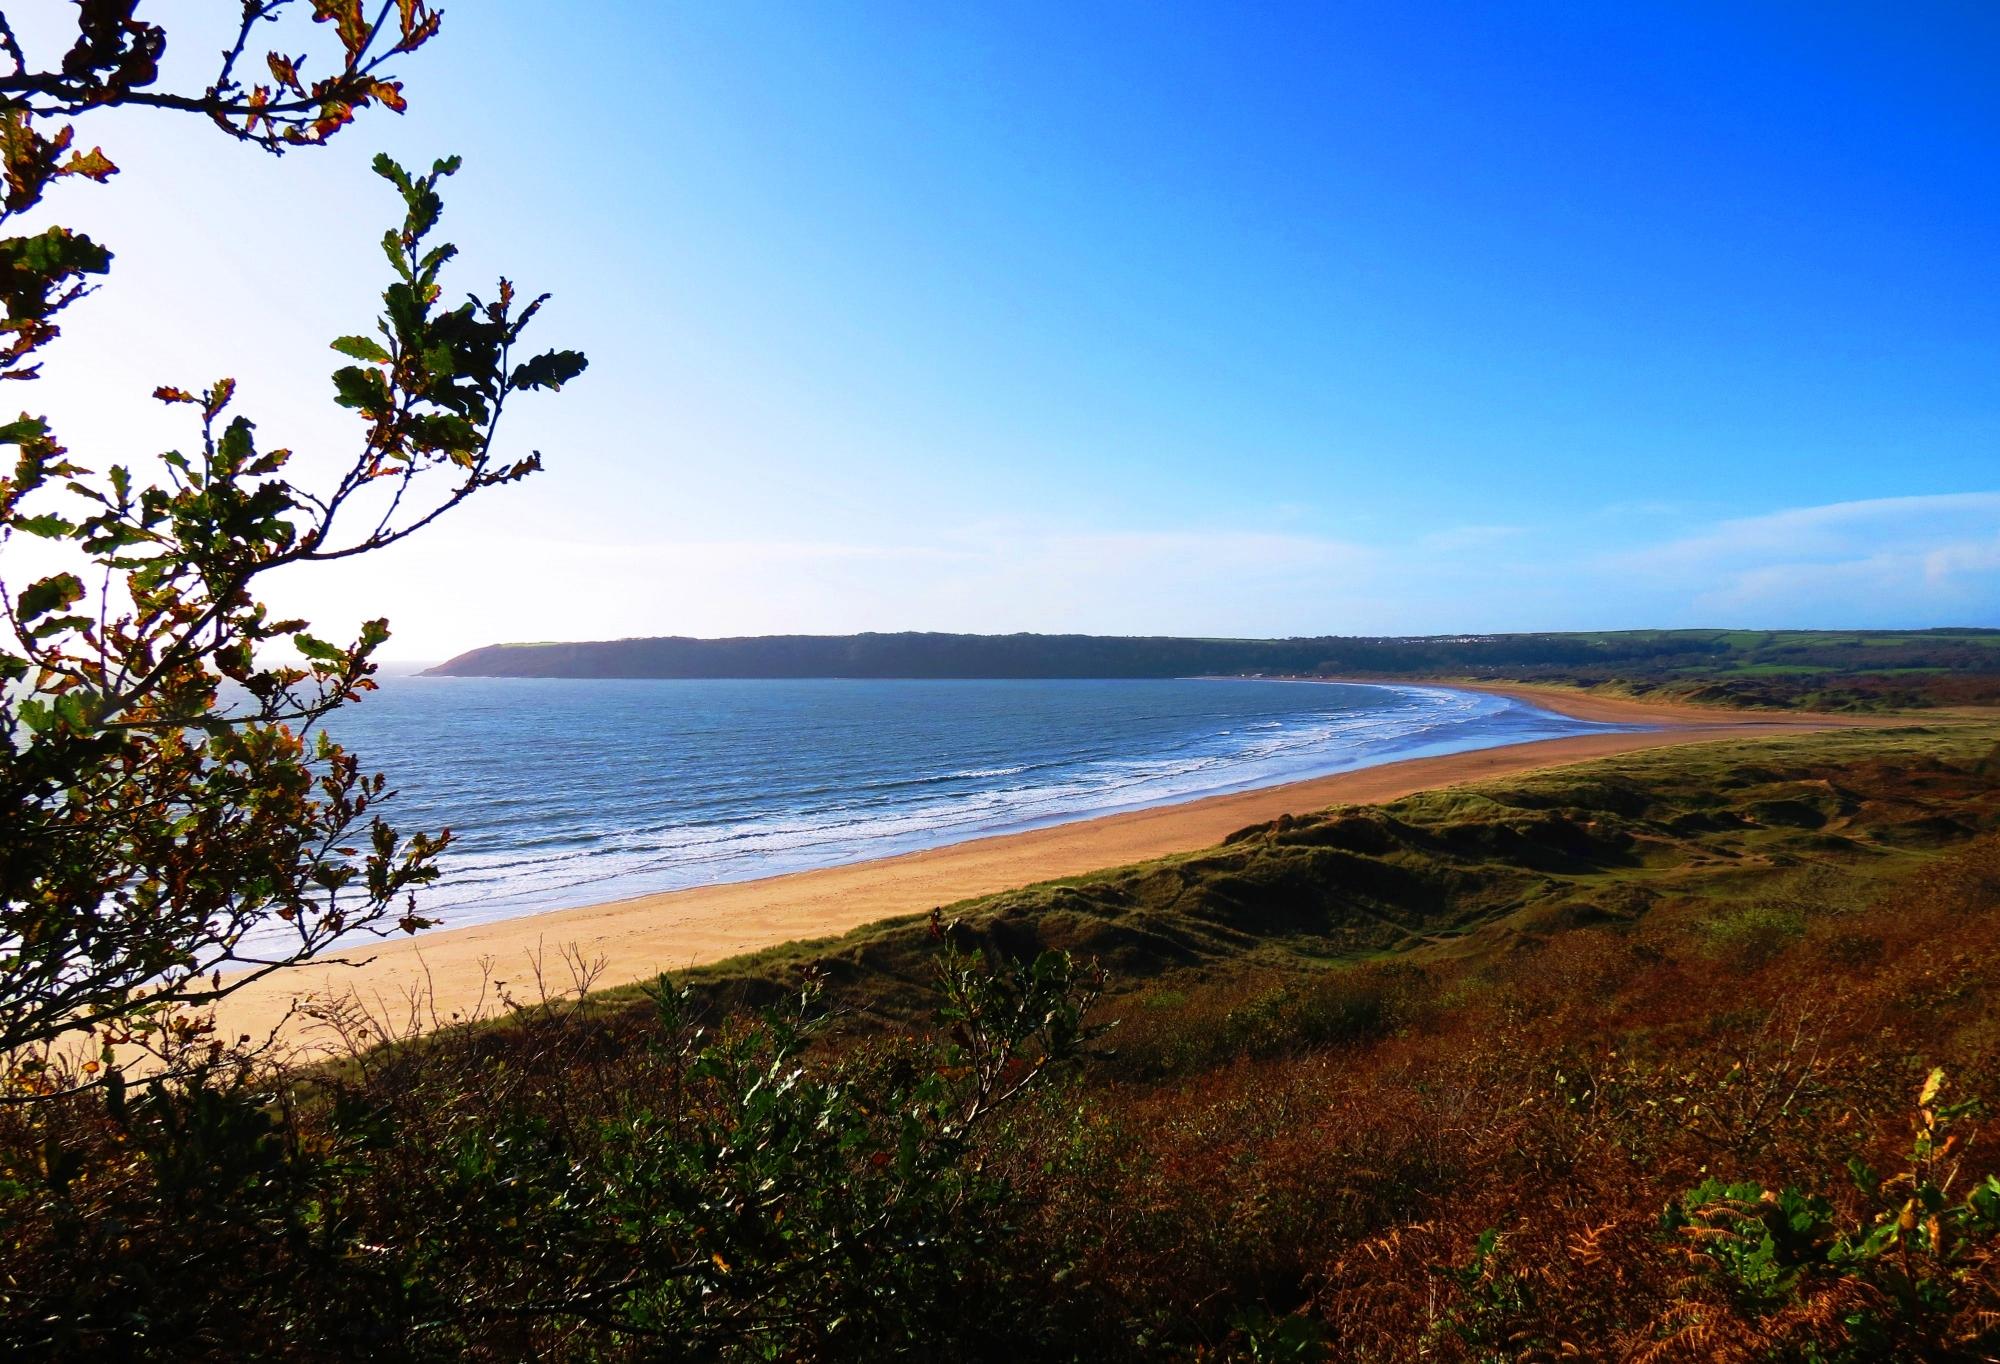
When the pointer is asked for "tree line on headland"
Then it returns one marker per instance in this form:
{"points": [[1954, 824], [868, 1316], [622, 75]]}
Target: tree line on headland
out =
{"points": [[1846, 669]]}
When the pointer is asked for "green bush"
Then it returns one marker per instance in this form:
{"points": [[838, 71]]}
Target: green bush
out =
{"points": [[682, 1190], [1909, 1272]]}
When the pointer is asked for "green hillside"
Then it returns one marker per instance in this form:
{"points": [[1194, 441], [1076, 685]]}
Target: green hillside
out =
{"points": [[1832, 669]]}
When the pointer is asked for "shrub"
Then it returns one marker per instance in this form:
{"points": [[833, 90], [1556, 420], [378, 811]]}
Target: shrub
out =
{"points": [[1913, 1272]]}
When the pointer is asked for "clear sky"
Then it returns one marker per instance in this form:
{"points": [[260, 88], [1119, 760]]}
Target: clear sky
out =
{"points": [[1178, 318]]}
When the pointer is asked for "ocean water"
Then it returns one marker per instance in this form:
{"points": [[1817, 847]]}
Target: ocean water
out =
{"points": [[563, 792]]}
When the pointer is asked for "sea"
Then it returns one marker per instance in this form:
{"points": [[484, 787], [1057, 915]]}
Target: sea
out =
{"points": [[566, 792]]}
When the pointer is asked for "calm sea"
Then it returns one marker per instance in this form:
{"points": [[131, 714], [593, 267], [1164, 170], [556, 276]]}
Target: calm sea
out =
{"points": [[572, 792]]}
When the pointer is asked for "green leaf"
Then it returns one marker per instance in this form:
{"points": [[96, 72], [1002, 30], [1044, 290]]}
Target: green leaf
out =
{"points": [[73, 710], [53, 254], [50, 594], [362, 389], [550, 370], [387, 167], [434, 260], [362, 348], [392, 247], [237, 444], [437, 359], [444, 431], [23, 430], [56, 625], [47, 527]]}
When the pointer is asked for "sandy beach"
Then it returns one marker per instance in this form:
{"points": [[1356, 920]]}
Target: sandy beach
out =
{"points": [[636, 939]]}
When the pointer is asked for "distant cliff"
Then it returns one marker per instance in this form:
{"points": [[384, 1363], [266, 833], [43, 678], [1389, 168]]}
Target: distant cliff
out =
{"points": [[1625, 653], [1795, 669]]}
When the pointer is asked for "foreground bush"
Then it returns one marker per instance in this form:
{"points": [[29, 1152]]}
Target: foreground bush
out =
{"points": [[551, 1189], [1575, 1150]]}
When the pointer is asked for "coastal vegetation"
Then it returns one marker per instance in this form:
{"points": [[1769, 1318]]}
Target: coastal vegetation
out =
{"points": [[1865, 670], [1684, 1054], [1460, 872]]}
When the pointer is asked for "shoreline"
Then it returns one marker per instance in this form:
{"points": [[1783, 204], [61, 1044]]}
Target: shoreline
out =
{"points": [[639, 937]]}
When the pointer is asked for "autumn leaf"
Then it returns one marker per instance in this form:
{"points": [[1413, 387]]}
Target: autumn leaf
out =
{"points": [[91, 165]]}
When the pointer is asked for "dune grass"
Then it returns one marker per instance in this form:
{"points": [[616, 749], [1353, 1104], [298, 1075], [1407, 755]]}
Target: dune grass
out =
{"points": [[1452, 873]]}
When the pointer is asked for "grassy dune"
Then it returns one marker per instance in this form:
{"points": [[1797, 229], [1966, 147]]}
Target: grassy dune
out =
{"points": [[1458, 874]]}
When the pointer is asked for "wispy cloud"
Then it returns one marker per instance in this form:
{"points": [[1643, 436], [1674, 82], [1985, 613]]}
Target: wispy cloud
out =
{"points": [[985, 577], [1891, 561], [1917, 559], [1836, 530]]}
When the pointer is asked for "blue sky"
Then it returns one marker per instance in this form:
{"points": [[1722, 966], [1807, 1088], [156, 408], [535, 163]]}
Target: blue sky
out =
{"points": [[1196, 319]]}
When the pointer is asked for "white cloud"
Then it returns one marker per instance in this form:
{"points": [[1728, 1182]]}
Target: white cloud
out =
{"points": [[1896, 560], [1885, 562], [990, 577], [1834, 531]]}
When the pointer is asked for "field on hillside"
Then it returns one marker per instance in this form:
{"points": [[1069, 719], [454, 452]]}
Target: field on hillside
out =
{"points": [[1687, 1054], [1788, 669]]}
